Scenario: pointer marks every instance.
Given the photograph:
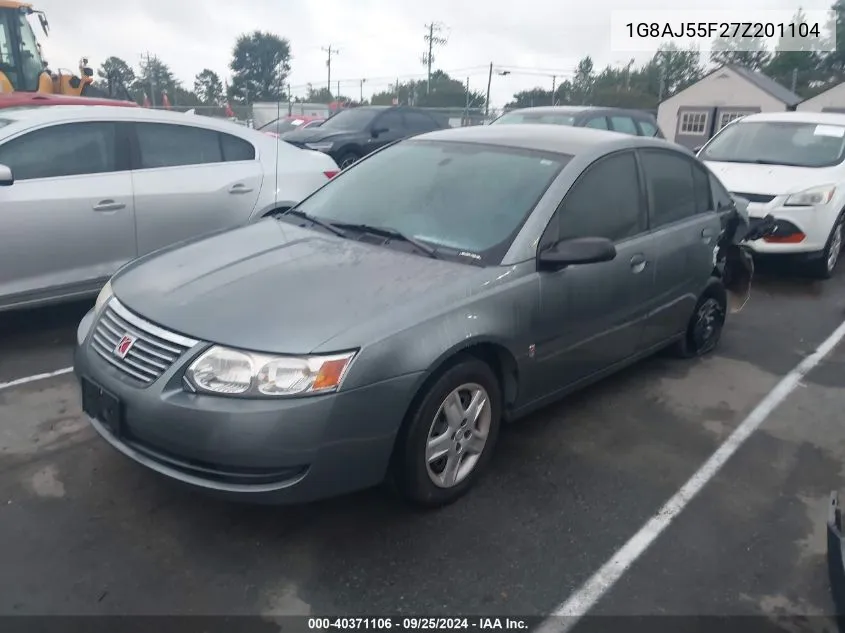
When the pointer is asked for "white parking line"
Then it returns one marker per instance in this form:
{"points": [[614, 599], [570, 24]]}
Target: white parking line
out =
{"points": [[36, 377], [568, 613]]}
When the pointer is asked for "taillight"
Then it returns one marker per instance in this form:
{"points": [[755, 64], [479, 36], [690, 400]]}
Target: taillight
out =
{"points": [[331, 174]]}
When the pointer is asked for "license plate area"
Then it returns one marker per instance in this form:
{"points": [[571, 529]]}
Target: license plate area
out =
{"points": [[102, 405]]}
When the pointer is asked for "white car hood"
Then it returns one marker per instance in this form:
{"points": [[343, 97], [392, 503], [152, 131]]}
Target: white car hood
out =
{"points": [[772, 180]]}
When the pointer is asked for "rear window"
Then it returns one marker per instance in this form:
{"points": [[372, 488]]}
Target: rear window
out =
{"points": [[550, 118]]}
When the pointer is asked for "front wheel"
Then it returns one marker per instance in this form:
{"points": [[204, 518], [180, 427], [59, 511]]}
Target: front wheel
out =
{"points": [[448, 439], [704, 330], [347, 160], [823, 267]]}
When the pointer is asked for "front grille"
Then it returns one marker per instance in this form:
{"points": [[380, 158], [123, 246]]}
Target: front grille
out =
{"points": [[754, 197], [154, 349]]}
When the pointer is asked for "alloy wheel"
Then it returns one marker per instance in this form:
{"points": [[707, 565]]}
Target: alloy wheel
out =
{"points": [[458, 435]]}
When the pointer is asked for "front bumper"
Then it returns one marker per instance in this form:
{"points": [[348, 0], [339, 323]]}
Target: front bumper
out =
{"points": [[257, 450], [815, 223]]}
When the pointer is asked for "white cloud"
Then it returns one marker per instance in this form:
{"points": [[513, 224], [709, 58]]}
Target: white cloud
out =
{"points": [[378, 39]]}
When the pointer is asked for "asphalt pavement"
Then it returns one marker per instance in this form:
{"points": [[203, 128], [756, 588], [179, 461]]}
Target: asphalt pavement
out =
{"points": [[85, 531]]}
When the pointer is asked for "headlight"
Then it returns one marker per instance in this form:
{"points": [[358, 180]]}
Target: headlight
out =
{"points": [[103, 298], [232, 372], [811, 197], [320, 147]]}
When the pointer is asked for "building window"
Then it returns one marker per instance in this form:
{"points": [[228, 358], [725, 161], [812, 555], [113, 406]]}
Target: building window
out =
{"points": [[694, 123], [727, 117]]}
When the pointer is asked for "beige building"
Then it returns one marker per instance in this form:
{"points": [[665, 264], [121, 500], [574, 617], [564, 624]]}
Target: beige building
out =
{"points": [[831, 100], [692, 116]]}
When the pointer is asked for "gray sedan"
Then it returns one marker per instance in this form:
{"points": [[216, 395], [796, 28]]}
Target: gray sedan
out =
{"points": [[389, 324]]}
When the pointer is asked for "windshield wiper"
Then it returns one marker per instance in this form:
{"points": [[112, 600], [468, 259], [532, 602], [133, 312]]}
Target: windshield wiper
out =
{"points": [[389, 233], [301, 214]]}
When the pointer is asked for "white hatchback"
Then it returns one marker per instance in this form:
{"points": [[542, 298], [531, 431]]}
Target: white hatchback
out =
{"points": [[86, 189], [790, 165]]}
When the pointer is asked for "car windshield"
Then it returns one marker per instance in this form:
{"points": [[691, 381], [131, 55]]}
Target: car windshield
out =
{"points": [[552, 118], [466, 198], [778, 143], [352, 119]]}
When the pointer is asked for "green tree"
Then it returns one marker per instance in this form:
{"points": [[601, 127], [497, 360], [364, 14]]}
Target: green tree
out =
{"points": [[208, 88], [677, 68], [832, 64], [260, 64], [739, 51], [582, 82], [117, 70], [446, 92], [154, 77], [530, 99], [320, 95], [795, 59]]}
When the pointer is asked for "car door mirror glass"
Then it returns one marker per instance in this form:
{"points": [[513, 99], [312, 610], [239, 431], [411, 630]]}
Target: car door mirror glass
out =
{"points": [[577, 251], [7, 179]]}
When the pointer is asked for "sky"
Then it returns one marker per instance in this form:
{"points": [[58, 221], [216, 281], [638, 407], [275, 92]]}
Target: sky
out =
{"points": [[378, 40]]}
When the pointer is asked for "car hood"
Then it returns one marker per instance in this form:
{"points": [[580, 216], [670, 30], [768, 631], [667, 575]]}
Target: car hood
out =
{"points": [[315, 134], [276, 287], [772, 180]]}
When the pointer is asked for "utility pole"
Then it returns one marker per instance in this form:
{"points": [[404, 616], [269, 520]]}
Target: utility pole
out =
{"points": [[794, 79], [361, 99], [433, 40], [466, 108], [489, 81], [554, 86], [148, 69], [337, 94], [330, 50]]}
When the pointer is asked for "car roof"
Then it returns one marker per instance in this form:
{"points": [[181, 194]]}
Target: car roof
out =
{"points": [[17, 99], [71, 113], [574, 109], [821, 118], [557, 139]]}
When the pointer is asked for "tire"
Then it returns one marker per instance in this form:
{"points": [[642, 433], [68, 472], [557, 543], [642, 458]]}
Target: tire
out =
{"points": [[347, 159], [704, 329], [823, 267], [427, 479]]}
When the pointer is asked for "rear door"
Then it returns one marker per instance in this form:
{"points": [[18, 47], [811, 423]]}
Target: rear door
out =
{"points": [[624, 124], [391, 127], [419, 122], [66, 224], [189, 181], [591, 316], [686, 226]]}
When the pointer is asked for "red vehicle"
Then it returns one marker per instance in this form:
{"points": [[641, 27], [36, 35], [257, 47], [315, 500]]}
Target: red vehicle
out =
{"points": [[289, 124], [30, 99]]}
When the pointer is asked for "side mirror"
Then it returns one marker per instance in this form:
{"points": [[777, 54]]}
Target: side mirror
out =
{"points": [[697, 149], [7, 179], [378, 130], [582, 250]]}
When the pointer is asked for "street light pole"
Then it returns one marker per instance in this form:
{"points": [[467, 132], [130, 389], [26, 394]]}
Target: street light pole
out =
{"points": [[489, 81]]}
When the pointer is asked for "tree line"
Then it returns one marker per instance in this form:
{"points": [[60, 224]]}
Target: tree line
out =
{"points": [[261, 63]]}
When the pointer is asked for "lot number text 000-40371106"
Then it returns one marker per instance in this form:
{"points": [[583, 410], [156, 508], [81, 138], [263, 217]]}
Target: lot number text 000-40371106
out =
{"points": [[418, 624]]}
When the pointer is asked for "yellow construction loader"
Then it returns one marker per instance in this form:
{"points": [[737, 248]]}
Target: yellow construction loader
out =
{"points": [[23, 69]]}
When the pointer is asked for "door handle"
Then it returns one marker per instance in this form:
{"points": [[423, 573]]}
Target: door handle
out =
{"points": [[707, 236], [239, 188], [108, 205], [638, 264]]}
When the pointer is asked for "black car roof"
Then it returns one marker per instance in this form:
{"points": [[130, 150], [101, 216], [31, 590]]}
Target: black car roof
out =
{"points": [[578, 109]]}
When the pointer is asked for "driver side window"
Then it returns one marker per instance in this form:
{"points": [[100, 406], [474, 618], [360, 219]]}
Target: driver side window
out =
{"points": [[606, 201], [390, 121]]}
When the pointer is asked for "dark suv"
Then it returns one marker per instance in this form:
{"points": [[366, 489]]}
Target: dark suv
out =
{"points": [[635, 122], [352, 134]]}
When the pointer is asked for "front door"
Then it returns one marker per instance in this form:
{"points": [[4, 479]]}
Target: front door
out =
{"points": [[591, 316], [686, 226], [67, 223], [191, 181]]}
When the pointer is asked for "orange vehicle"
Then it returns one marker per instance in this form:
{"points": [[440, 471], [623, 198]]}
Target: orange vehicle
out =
{"points": [[22, 67]]}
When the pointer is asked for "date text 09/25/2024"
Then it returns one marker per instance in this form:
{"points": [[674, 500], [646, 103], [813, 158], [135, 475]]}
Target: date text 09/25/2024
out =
{"points": [[418, 624], [750, 30]]}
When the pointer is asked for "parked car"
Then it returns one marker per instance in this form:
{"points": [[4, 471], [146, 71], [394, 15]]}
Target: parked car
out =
{"points": [[32, 99], [355, 132], [390, 322], [85, 190], [290, 123], [636, 122], [789, 165]]}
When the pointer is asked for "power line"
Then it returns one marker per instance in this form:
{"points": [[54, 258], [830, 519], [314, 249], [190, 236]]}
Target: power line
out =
{"points": [[433, 38]]}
